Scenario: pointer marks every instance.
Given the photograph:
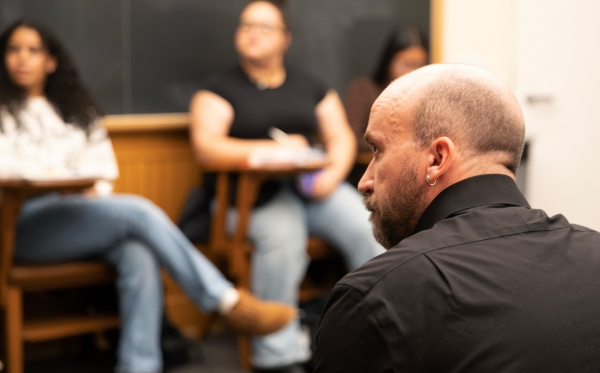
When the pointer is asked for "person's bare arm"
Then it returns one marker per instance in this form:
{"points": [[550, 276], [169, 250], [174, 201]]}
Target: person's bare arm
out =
{"points": [[339, 142], [359, 98], [211, 118]]}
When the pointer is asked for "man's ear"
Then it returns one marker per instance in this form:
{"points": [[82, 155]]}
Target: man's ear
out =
{"points": [[440, 155]]}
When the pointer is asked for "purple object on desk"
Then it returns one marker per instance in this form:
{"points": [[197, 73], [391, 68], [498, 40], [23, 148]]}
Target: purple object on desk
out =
{"points": [[307, 182]]}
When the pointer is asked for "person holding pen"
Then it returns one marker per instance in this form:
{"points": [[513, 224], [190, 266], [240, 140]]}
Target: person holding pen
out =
{"points": [[232, 117], [51, 127]]}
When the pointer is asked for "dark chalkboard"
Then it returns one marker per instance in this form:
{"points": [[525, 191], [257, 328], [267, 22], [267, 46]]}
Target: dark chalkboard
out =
{"points": [[148, 56]]}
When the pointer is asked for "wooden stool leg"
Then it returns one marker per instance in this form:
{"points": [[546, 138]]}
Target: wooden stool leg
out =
{"points": [[14, 327], [245, 351]]}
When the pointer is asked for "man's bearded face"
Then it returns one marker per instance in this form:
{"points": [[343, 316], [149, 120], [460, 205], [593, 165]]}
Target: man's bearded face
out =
{"points": [[396, 217]]}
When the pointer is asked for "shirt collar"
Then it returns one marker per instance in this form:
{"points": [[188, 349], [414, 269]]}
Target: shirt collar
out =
{"points": [[472, 192]]}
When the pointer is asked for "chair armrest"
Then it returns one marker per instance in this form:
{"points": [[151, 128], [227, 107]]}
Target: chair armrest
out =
{"points": [[14, 193]]}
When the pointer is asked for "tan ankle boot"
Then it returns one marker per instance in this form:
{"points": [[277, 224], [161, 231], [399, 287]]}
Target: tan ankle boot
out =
{"points": [[251, 315]]}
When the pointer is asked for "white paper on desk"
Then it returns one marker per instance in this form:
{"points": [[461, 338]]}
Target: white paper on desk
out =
{"points": [[285, 156], [43, 175]]}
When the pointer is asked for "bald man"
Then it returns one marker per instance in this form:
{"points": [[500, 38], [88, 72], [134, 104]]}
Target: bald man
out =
{"points": [[474, 280]]}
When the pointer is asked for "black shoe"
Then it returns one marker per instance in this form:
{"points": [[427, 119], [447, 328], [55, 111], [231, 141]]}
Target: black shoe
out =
{"points": [[294, 368]]}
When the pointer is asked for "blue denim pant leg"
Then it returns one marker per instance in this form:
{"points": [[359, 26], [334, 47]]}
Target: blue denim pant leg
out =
{"points": [[279, 260], [342, 220], [120, 228], [140, 298]]}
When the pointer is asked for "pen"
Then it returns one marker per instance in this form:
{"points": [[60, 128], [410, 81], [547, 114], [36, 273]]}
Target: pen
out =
{"points": [[278, 135]]}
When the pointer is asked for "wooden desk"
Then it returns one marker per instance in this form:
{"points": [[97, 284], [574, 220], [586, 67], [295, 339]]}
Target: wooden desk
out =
{"points": [[156, 161], [155, 158], [236, 248]]}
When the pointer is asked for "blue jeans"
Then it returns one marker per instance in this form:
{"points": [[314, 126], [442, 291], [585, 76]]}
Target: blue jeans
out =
{"points": [[138, 238], [279, 230]]}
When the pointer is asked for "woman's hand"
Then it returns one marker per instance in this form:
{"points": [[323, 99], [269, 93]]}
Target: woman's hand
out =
{"points": [[211, 118], [339, 142], [324, 183], [294, 141]]}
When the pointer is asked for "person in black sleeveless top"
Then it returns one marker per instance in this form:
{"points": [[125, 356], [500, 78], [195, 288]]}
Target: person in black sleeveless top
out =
{"points": [[231, 117], [50, 127]]}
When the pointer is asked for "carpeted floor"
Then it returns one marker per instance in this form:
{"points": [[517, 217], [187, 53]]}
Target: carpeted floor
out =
{"points": [[218, 353]]}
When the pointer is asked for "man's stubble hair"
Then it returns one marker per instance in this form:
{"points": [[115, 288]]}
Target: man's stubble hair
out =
{"points": [[484, 118]]}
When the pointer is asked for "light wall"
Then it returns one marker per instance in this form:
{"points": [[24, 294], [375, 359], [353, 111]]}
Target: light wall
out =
{"points": [[548, 51], [481, 33]]}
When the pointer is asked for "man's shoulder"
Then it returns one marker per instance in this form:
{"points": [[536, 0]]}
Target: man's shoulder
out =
{"points": [[405, 262], [410, 262], [400, 261]]}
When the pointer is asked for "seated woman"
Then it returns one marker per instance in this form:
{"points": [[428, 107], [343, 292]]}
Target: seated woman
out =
{"points": [[231, 118], [405, 51], [50, 126]]}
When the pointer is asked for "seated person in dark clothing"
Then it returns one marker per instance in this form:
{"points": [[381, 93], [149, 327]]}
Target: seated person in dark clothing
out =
{"points": [[50, 127], [231, 118], [405, 51], [474, 280]]}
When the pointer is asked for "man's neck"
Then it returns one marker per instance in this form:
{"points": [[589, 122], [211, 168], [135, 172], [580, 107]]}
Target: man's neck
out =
{"points": [[463, 172]]}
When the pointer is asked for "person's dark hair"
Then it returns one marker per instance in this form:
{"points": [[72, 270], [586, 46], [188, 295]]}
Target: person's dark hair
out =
{"points": [[400, 39], [281, 6], [484, 118], [63, 87]]}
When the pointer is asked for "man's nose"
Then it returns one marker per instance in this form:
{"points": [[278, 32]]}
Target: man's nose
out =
{"points": [[366, 185]]}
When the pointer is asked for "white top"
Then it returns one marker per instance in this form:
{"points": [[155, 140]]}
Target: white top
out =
{"points": [[47, 147]]}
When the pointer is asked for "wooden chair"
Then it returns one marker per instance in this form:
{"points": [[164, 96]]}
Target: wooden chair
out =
{"points": [[235, 250], [156, 161], [150, 146], [18, 278]]}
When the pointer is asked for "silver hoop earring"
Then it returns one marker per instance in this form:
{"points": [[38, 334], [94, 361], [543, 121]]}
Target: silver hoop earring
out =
{"points": [[428, 180]]}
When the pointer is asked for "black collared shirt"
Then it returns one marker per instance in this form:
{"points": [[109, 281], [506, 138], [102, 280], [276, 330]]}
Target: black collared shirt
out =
{"points": [[486, 284]]}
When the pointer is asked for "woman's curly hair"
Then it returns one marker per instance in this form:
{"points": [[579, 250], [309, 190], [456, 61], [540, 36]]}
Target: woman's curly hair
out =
{"points": [[63, 88]]}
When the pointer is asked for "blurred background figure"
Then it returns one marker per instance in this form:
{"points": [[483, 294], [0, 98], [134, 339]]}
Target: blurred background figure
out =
{"points": [[405, 51], [131, 66], [50, 128], [231, 118]]}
